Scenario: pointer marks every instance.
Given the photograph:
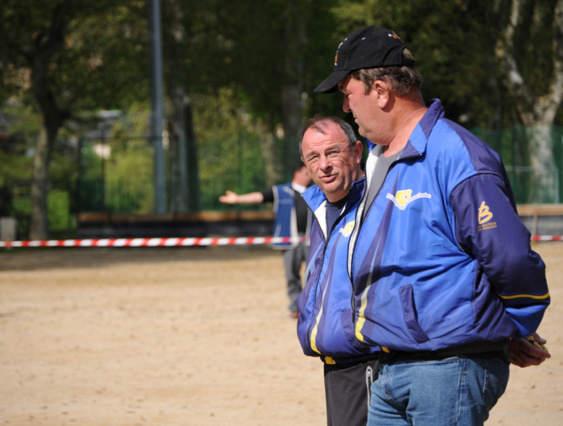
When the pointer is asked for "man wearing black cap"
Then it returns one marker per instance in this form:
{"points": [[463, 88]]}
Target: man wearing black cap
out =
{"points": [[444, 278]]}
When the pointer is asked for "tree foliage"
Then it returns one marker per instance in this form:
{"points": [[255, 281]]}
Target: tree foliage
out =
{"points": [[249, 68], [63, 57]]}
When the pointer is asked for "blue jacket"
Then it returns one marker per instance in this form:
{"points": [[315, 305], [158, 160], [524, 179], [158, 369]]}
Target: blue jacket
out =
{"points": [[326, 322], [285, 224], [442, 258]]}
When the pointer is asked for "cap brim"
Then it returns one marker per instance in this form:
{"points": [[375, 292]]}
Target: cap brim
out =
{"points": [[330, 84]]}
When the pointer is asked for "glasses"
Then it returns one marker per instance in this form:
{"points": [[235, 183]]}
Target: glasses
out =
{"points": [[314, 158]]}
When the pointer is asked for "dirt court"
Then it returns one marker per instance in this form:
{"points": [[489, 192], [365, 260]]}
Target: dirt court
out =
{"points": [[188, 336]]}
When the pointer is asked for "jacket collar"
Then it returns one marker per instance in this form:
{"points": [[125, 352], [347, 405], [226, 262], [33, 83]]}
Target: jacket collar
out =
{"points": [[315, 197]]}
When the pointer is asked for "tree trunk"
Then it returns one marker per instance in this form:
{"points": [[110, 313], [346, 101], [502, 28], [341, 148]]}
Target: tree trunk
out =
{"points": [[537, 113], [291, 90], [185, 194], [545, 172], [39, 226], [293, 79], [194, 195], [183, 152], [48, 43], [271, 155]]}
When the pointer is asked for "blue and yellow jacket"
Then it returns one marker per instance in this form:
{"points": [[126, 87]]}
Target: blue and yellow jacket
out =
{"points": [[326, 322], [442, 258], [285, 224]]}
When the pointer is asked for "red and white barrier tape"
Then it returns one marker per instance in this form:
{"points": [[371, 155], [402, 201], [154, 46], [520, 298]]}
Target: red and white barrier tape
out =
{"points": [[153, 242], [547, 238], [181, 242]]}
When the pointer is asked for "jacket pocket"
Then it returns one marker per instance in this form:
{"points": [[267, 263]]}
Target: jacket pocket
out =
{"points": [[409, 311]]}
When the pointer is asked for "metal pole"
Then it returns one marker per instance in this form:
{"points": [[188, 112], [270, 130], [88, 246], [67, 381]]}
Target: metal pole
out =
{"points": [[103, 158], [157, 106]]}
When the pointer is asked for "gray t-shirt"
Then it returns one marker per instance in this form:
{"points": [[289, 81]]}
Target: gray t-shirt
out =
{"points": [[382, 166]]}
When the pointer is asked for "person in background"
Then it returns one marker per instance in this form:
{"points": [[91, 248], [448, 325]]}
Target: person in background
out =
{"points": [[444, 277], [292, 219], [333, 154]]}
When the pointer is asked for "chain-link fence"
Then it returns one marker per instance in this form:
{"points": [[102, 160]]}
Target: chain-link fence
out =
{"points": [[533, 157], [116, 175]]}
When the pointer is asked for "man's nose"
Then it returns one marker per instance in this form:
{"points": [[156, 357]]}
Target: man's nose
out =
{"points": [[324, 162]]}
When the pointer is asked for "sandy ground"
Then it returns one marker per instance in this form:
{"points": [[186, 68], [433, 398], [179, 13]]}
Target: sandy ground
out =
{"points": [[188, 336]]}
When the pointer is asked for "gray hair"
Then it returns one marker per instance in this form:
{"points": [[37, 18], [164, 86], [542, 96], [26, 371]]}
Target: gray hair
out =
{"points": [[320, 124]]}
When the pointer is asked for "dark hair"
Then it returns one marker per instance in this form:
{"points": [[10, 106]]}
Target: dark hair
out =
{"points": [[298, 166], [319, 123]]}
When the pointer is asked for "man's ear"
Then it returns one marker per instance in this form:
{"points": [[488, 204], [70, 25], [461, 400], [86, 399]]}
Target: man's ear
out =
{"points": [[381, 91], [358, 149]]}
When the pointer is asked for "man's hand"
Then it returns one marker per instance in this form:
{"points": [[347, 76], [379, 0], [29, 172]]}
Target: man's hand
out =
{"points": [[524, 353], [229, 198]]}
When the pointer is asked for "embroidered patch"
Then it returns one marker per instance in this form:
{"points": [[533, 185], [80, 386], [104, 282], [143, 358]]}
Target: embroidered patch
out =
{"points": [[404, 197], [347, 230], [484, 219], [484, 213]]}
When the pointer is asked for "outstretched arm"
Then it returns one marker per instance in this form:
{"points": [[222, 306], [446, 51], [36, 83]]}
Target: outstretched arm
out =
{"points": [[251, 198]]}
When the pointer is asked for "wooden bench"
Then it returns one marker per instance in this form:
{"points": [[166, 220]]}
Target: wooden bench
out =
{"points": [[535, 211], [232, 224]]}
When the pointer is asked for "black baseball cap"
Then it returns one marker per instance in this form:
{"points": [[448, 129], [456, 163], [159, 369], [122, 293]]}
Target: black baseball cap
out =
{"points": [[369, 47]]}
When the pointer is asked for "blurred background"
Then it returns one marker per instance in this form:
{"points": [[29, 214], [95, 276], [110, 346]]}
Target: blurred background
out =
{"points": [[145, 111]]}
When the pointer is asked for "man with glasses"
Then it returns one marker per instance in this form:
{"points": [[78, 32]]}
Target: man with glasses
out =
{"points": [[333, 155]]}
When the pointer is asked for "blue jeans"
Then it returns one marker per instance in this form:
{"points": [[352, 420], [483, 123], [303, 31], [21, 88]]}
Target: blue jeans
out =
{"points": [[452, 391]]}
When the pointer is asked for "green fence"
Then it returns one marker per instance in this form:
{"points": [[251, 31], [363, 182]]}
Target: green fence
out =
{"points": [[534, 161], [116, 175]]}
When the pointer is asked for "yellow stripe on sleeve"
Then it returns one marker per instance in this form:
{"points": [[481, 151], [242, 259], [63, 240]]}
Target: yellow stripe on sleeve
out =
{"points": [[529, 296]]}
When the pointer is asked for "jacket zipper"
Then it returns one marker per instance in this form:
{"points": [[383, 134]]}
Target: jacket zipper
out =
{"points": [[329, 233]]}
